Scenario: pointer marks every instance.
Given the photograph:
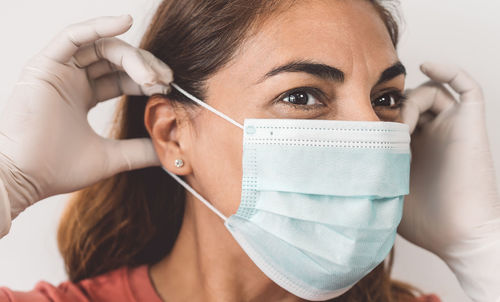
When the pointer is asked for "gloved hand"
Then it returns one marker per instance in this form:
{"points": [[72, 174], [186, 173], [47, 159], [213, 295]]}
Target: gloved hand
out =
{"points": [[453, 209], [47, 146]]}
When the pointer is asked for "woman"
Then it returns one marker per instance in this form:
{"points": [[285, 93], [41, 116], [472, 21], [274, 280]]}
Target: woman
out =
{"points": [[136, 235]]}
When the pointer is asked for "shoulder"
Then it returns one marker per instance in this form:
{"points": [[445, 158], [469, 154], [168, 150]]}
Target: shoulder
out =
{"points": [[98, 289]]}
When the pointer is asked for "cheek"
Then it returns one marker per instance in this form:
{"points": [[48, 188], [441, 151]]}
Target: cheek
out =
{"points": [[217, 163]]}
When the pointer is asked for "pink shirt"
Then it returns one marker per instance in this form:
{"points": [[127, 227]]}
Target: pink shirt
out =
{"points": [[123, 285]]}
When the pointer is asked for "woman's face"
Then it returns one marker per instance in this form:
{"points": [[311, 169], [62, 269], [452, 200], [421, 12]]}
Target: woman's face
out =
{"points": [[317, 60]]}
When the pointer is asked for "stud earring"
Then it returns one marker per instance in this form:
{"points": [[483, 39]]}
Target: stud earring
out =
{"points": [[179, 163]]}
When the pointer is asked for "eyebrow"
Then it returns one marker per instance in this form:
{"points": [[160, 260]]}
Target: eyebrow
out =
{"points": [[322, 71], [327, 72], [390, 73]]}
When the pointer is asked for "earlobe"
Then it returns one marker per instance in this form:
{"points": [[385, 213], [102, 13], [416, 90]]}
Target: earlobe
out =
{"points": [[161, 119]]}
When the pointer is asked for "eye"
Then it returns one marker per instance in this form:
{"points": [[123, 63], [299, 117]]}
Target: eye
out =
{"points": [[301, 96], [391, 100]]}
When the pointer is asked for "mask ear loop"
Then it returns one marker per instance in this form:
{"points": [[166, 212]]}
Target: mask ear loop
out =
{"points": [[206, 106], [177, 178], [192, 191]]}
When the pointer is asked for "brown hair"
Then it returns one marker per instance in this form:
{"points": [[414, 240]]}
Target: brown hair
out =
{"points": [[134, 217]]}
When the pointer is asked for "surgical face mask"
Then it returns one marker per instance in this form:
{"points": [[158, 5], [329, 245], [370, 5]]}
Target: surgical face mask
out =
{"points": [[321, 199]]}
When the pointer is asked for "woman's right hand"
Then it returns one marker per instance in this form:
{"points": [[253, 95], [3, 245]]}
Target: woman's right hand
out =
{"points": [[47, 146]]}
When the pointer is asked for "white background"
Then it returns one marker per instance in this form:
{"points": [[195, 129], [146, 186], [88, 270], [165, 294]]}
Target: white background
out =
{"points": [[452, 31]]}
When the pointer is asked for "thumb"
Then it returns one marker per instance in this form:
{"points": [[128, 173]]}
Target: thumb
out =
{"points": [[130, 154], [418, 101]]}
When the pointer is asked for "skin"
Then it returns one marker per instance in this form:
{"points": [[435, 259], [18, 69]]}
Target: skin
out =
{"points": [[206, 263]]}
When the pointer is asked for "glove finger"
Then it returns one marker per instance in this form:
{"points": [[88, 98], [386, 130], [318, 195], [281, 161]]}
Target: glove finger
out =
{"points": [[92, 52], [459, 80], [142, 66], [118, 53], [118, 83], [164, 72], [100, 68], [65, 45], [130, 154], [429, 96]]}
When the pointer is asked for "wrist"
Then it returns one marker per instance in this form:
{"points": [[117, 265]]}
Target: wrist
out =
{"points": [[19, 188], [477, 268], [5, 218]]}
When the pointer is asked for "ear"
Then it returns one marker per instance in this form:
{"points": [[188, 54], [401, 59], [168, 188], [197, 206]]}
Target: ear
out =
{"points": [[166, 122]]}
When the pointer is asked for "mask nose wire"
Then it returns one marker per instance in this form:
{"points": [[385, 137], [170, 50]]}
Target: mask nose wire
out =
{"points": [[206, 106]]}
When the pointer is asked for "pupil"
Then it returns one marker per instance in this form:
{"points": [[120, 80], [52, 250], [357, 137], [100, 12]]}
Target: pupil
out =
{"points": [[383, 101], [299, 98]]}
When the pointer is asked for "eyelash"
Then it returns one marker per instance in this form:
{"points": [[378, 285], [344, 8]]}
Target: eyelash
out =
{"points": [[398, 96]]}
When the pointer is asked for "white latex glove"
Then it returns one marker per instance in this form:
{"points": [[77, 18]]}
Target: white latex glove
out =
{"points": [[453, 209], [47, 146]]}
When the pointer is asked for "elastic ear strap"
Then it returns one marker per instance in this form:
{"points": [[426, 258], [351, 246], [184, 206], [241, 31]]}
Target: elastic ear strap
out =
{"points": [[196, 194], [206, 106]]}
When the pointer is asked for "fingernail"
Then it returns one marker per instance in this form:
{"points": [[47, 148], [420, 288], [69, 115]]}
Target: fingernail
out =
{"points": [[166, 73], [127, 16], [151, 79], [167, 79], [150, 83], [158, 89]]}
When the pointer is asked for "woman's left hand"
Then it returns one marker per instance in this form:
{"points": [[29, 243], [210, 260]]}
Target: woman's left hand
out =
{"points": [[453, 208]]}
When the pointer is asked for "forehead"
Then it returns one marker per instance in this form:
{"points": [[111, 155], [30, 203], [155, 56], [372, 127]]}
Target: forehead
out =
{"points": [[347, 34]]}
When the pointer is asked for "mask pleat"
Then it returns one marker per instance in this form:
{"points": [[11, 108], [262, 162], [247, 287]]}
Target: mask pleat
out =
{"points": [[355, 212], [338, 245]]}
